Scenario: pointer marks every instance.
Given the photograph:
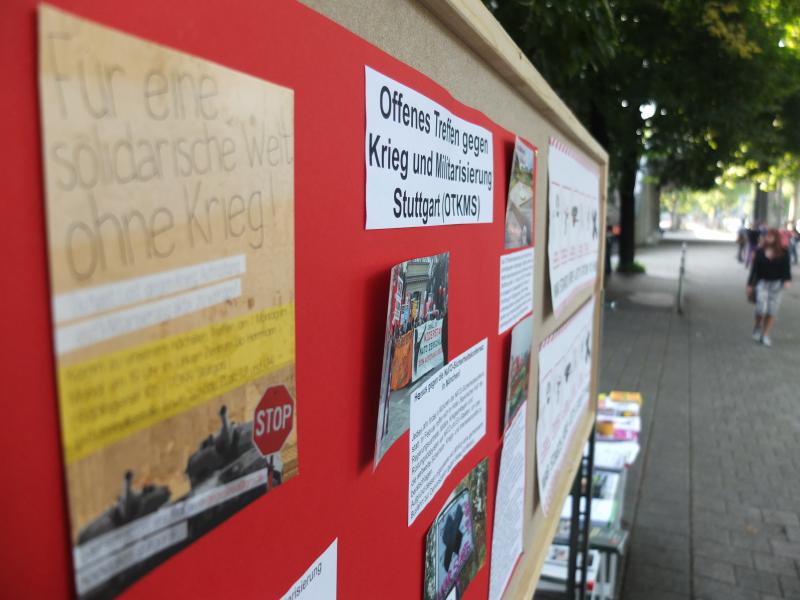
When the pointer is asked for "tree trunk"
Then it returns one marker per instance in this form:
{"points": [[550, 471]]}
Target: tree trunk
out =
{"points": [[655, 218], [627, 221], [760, 208], [673, 219]]}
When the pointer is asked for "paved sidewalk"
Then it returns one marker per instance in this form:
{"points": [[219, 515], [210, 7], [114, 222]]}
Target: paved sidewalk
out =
{"points": [[713, 502]]}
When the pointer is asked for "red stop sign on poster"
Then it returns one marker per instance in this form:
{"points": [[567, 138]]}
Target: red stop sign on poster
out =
{"points": [[272, 421]]}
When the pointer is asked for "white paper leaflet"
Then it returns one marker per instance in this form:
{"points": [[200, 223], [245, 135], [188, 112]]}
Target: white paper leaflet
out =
{"points": [[447, 419], [509, 507], [565, 372], [319, 581], [516, 287], [425, 166], [574, 227]]}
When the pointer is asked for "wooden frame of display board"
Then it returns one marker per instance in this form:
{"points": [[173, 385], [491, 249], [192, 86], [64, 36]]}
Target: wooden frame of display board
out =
{"points": [[454, 52]]}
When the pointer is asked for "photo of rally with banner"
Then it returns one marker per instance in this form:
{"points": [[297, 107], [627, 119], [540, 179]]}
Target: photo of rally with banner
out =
{"points": [[416, 340]]}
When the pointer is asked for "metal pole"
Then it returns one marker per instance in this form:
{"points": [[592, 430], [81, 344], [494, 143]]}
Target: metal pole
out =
{"points": [[587, 515], [681, 274], [573, 535]]}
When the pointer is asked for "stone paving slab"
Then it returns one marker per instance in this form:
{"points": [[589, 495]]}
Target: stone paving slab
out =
{"points": [[713, 502]]}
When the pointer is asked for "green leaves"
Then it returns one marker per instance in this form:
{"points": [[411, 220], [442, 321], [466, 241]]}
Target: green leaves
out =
{"points": [[723, 75]]}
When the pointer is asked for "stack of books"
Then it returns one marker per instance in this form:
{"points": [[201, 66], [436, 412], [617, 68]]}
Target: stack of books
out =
{"points": [[606, 499], [618, 417], [616, 448], [556, 568]]}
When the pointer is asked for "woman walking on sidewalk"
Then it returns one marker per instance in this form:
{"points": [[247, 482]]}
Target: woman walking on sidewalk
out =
{"points": [[769, 274]]}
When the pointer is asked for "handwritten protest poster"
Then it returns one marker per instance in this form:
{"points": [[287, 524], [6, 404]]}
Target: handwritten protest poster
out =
{"points": [[170, 207]]}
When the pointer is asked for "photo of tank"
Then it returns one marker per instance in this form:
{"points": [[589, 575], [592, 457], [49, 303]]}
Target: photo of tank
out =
{"points": [[144, 528], [221, 459], [130, 506], [226, 456]]}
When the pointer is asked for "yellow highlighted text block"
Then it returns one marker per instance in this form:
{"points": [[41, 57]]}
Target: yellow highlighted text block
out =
{"points": [[106, 399]]}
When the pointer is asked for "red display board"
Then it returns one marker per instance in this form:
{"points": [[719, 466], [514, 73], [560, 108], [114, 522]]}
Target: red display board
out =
{"points": [[342, 278]]}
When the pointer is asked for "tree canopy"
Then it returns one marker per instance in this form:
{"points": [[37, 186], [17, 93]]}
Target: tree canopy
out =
{"points": [[703, 89]]}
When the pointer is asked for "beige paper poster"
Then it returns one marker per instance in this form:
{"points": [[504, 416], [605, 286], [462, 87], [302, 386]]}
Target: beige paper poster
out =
{"points": [[170, 220]]}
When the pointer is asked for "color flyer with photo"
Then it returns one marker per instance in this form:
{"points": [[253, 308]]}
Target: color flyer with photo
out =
{"points": [[520, 205], [455, 547], [415, 346], [171, 251], [519, 368]]}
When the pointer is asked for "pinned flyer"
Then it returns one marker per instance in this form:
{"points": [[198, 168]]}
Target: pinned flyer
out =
{"points": [[175, 355], [573, 226], [455, 547], [521, 204], [448, 417], [415, 345], [509, 506], [516, 287], [510, 500], [319, 581], [425, 165], [565, 373], [519, 368]]}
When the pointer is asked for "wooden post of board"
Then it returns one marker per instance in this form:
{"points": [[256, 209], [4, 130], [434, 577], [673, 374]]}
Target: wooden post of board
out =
{"points": [[485, 69]]}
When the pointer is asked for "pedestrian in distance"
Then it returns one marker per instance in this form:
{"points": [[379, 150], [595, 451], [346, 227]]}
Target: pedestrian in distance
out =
{"points": [[741, 242], [785, 235], [753, 239], [795, 242], [788, 240], [770, 273]]}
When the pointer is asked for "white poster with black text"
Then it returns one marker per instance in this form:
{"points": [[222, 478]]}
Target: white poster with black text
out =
{"points": [[447, 418], [425, 165], [574, 227], [565, 373], [509, 507]]}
